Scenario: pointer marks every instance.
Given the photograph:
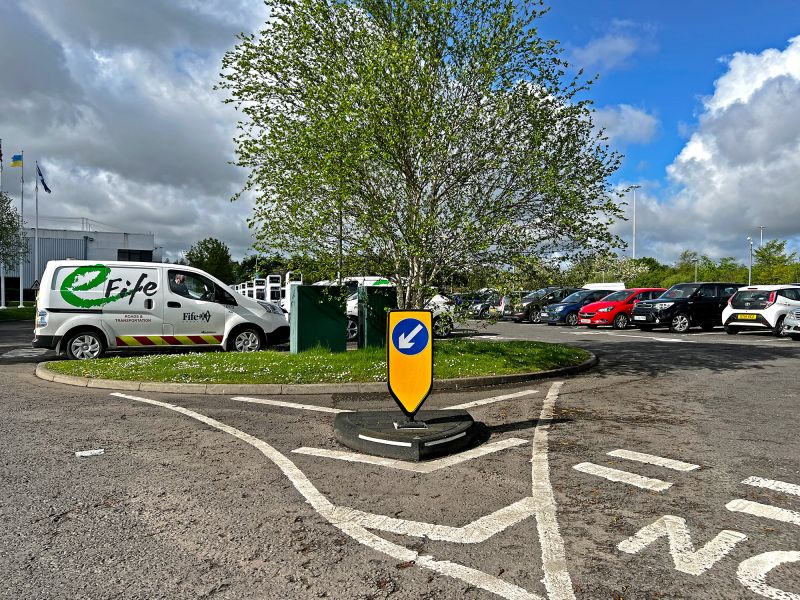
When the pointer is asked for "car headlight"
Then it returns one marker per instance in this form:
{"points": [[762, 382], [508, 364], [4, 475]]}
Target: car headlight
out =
{"points": [[560, 309], [663, 305], [606, 309]]}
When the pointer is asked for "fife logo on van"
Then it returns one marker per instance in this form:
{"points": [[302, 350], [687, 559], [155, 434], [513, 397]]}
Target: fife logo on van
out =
{"points": [[205, 317], [80, 287]]}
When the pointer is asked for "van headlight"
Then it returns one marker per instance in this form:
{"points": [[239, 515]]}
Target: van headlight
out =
{"points": [[663, 305], [271, 308], [41, 318]]}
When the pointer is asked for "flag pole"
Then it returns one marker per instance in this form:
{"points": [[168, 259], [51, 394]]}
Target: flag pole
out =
{"points": [[21, 222], [36, 227], [2, 265]]}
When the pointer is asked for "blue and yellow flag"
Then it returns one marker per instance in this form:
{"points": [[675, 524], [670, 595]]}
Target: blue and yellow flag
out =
{"points": [[16, 160]]}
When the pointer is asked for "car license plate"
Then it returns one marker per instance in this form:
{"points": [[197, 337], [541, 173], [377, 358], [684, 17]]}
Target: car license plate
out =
{"points": [[543, 315], [639, 318], [746, 317], [586, 320]]}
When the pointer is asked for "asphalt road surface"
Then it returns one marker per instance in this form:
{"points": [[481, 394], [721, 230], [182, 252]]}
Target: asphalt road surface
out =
{"points": [[672, 470]]}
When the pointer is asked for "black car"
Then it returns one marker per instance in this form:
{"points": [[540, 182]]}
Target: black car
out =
{"points": [[532, 304], [685, 305]]}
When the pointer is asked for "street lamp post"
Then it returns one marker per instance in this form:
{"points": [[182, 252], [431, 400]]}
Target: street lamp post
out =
{"points": [[750, 266], [695, 270], [761, 229], [633, 246]]}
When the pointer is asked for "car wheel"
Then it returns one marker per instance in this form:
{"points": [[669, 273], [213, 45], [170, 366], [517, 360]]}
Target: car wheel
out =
{"points": [[85, 345], [620, 321], [534, 317], [731, 330], [484, 314], [680, 323], [352, 329], [246, 340], [571, 319], [777, 331], [442, 327]]}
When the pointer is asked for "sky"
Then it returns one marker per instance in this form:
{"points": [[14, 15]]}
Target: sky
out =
{"points": [[115, 100]]}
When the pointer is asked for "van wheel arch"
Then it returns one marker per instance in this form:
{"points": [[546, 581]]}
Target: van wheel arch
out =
{"points": [[77, 330], [241, 327]]}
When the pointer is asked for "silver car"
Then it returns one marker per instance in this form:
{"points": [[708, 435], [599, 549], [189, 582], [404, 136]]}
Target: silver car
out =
{"points": [[791, 325]]}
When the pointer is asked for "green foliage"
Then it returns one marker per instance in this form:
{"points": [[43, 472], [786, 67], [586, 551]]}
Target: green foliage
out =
{"points": [[213, 257], [13, 241], [772, 264], [427, 137]]}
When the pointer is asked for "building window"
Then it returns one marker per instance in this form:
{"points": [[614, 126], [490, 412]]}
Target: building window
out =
{"points": [[135, 255]]}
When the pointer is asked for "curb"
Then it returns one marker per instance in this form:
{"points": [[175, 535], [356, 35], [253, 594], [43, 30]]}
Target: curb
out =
{"points": [[463, 383]]}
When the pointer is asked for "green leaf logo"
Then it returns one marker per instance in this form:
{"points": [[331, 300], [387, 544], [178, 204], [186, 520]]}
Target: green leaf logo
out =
{"points": [[68, 287]]}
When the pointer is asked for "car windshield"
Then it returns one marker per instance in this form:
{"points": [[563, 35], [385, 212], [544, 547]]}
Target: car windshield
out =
{"points": [[753, 295], [536, 294], [577, 296], [682, 290], [619, 296]]}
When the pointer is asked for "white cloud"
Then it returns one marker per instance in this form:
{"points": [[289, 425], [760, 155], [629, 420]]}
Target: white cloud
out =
{"points": [[739, 169], [625, 124], [613, 49]]}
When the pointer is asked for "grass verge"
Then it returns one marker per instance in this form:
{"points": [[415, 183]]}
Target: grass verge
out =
{"points": [[18, 314], [453, 358]]}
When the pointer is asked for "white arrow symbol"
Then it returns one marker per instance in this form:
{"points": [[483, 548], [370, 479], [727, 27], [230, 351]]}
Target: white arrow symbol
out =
{"points": [[405, 342]]}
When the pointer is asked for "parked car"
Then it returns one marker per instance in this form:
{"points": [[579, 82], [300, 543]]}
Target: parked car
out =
{"points": [[486, 302], [791, 325], [615, 309], [441, 306], [760, 307], [685, 305], [566, 311], [532, 304]]}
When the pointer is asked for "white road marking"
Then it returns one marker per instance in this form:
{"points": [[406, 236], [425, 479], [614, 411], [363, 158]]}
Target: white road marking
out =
{"points": [[85, 453], [638, 337], [752, 574], [778, 486], [684, 556], [669, 463], [328, 510], [647, 483], [283, 404], [424, 467], [491, 400], [554, 561], [764, 510]]}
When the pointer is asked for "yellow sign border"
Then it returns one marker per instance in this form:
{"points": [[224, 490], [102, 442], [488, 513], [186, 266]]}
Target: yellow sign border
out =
{"points": [[389, 330]]}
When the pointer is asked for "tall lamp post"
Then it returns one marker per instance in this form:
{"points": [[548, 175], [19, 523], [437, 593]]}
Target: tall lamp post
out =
{"points": [[633, 246], [750, 266], [761, 229]]}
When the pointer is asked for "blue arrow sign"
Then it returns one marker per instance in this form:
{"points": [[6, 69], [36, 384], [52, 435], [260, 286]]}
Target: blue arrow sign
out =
{"points": [[410, 336]]}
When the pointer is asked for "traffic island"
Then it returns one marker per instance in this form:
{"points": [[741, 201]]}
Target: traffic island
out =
{"points": [[432, 434]]}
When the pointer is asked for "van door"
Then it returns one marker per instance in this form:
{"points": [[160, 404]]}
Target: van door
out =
{"points": [[192, 316], [135, 316]]}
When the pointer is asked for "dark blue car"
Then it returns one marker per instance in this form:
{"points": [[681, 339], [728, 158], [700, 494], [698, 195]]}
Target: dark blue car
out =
{"points": [[566, 311]]}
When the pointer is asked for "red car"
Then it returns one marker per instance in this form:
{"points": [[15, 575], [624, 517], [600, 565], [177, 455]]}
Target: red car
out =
{"points": [[615, 309]]}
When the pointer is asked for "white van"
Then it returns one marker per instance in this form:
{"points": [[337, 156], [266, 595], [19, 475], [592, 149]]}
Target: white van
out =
{"points": [[85, 308]]}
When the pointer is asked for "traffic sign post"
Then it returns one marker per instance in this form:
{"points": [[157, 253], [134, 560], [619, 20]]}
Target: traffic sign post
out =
{"points": [[409, 359]]}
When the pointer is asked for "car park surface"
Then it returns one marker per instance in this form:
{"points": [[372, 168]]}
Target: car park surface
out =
{"points": [[655, 475]]}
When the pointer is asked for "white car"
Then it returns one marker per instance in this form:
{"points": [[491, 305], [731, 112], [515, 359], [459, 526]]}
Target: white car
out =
{"points": [[761, 307], [441, 306]]}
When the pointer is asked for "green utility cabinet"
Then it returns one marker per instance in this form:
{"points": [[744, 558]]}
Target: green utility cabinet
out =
{"points": [[373, 304], [318, 317]]}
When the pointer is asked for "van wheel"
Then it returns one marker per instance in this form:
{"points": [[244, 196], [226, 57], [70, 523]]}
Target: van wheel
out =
{"points": [[85, 345], [620, 321], [352, 329], [246, 340], [680, 323]]}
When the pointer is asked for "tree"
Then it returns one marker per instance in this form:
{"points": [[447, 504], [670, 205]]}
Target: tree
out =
{"points": [[773, 264], [212, 256], [437, 136], [13, 241]]}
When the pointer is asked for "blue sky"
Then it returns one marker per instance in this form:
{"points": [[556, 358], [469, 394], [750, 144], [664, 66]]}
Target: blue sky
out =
{"points": [[115, 99]]}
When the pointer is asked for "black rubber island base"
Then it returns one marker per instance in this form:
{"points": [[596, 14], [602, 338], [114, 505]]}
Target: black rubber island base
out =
{"points": [[381, 433]]}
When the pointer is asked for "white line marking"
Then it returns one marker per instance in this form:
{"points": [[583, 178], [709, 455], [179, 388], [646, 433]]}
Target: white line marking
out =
{"points": [[554, 560], [386, 442], [491, 400], [764, 510], [638, 337], [328, 510], [752, 574], [669, 463], [647, 483], [447, 439], [283, 404], [424, 467], [685, 558], [778, 486], [84, 453]]}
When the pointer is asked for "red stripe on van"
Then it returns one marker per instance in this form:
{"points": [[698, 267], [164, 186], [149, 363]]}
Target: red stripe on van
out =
{"points": [[172, 341], [197, 339], [144, 340]]}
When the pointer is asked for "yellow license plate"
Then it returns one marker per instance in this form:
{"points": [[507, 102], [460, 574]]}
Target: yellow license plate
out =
{"points": [[747, 317]]}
